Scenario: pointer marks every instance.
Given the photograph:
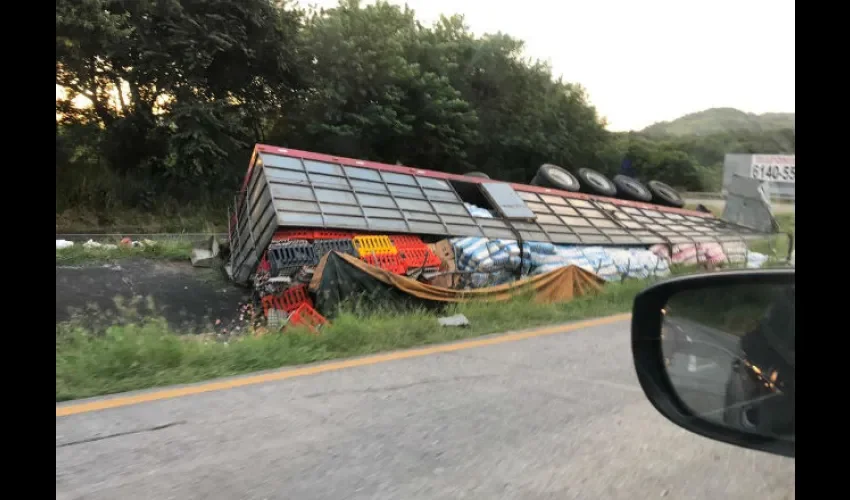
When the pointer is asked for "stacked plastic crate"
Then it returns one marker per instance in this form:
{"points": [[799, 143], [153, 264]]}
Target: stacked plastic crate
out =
{"points": [[414, 253], [379, 251], [291, 258], [288, 266]]}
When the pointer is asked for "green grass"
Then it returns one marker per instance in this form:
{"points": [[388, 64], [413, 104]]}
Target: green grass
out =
{"points": [[776, 247], [150, 354], [164, 250], [193, 219], [787, 222]]}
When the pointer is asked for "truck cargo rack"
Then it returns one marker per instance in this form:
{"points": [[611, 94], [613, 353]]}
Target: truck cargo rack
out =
{"points": [[287, 188]]}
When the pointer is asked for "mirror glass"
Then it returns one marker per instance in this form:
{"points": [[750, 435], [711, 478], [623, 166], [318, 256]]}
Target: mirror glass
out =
{"points": [[729, 352]]}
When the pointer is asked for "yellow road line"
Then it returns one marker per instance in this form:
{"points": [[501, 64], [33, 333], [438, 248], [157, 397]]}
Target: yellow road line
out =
{"points": [[115, 402]]}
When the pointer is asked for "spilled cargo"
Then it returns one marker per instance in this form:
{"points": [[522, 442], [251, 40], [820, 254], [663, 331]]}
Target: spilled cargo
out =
{"points": [[455, 231]]}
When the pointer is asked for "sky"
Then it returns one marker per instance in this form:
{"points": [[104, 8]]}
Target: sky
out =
{"points": [[643, 61]]}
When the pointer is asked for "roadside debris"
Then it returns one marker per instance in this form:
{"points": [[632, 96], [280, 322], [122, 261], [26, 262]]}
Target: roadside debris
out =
{"points": [[456, 320], [91, 244], [340, 265], [343, 277], [747, 204], [129, 243], [205, 253]]}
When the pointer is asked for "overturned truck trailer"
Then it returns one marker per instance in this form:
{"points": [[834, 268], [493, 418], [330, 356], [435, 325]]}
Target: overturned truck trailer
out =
{"points": [[287, 189]]}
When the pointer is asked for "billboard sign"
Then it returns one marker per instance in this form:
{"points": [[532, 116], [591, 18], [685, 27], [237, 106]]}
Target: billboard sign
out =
{"points": [[773, 168]]}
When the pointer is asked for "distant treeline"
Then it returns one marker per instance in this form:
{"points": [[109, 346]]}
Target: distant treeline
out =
{"points": [[203, 80]]}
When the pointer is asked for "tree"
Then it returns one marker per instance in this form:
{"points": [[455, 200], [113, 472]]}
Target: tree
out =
{"points": [[525, 116], [181, 89], [177, 85], [368, 99]]}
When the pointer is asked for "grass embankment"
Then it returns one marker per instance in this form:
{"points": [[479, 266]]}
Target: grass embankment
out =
{"points": [[160, 250], [151, 354], [193, 219], [777, 247]]}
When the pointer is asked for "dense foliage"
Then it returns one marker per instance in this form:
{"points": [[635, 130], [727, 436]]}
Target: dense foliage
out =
{"points": [[201, 81]]}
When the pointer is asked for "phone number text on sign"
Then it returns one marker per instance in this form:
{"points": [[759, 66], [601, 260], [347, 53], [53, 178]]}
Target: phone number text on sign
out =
{"points": [[773, 168]]}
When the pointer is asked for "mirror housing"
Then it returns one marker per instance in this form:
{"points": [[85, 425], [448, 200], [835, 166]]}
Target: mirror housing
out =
{"points": [[651, 365]]}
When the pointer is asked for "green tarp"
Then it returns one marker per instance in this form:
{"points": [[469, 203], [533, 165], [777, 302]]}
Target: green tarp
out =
{"points": [[340, 278]]}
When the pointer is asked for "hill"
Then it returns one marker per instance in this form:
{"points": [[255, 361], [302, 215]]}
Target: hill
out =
{"points": [[716, 120]]}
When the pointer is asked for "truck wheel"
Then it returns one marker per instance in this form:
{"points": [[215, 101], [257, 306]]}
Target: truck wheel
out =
{"points": [[662, 194], [631, 189], [553, 176], [593, 182]]}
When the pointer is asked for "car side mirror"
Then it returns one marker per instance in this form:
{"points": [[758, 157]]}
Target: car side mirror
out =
{"points": [[714, 353]]}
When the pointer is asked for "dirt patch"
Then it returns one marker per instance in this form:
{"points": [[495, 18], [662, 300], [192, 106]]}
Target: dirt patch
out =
{"points": [[190, 299]]}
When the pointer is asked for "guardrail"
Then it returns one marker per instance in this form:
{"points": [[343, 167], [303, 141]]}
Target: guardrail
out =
{"points": [[702, 196], [139, 236], [719, 196]]}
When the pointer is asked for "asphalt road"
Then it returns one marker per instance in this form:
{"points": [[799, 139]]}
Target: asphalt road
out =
{"points": [[701, 383], [700, 364], [558, 416], [690, 343]]}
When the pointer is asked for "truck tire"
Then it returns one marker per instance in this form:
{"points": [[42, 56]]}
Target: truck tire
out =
{"points": [[662, 194], [553, 176], [592, 182], [480, 175], [631, 189]]}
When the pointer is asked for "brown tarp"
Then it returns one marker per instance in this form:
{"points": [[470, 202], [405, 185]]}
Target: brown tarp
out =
{"points": [[340, 275]]}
